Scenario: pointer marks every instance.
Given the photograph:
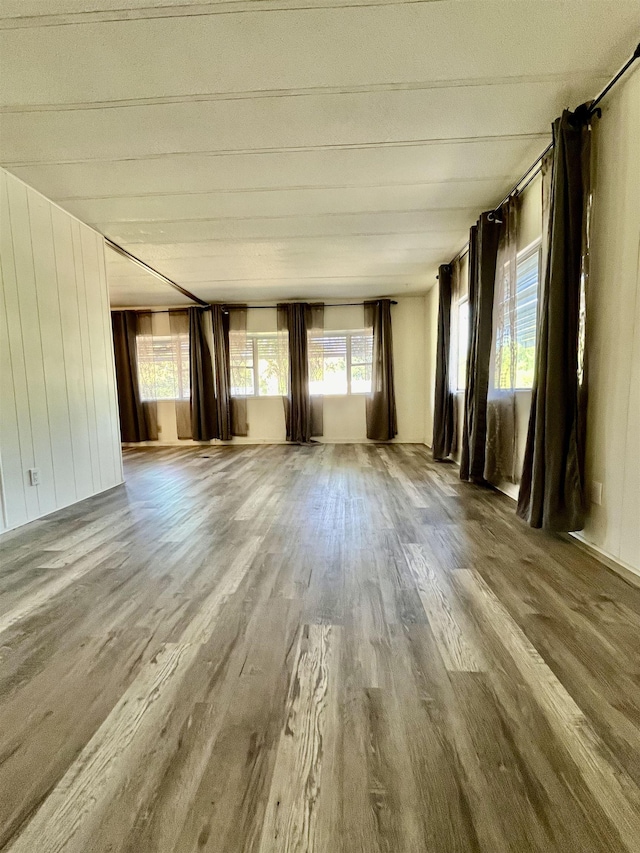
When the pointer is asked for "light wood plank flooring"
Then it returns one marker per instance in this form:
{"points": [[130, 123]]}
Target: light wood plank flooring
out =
{"points": [[329, 649]]}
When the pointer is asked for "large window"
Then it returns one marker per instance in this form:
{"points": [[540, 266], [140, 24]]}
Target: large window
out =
{"points": [[515, 344], [527, 286], [259, 365], [163, 367], [340, 362]]}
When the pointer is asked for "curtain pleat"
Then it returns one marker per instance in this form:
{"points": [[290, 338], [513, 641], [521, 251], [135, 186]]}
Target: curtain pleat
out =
{"points": [[381, 403], [135, 422], [500, 461], [238, 328], [443, 404], [179, 326], [315, 326], [222, 370], [204, 417], [483, 250], [296, 318], [552, 492]]}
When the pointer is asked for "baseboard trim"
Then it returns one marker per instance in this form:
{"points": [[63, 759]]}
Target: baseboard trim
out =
{"points": [[627, 572], [15, 527]]}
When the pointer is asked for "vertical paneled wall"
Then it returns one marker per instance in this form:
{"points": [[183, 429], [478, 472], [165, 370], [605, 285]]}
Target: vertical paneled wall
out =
{"points": [[58, 409]]}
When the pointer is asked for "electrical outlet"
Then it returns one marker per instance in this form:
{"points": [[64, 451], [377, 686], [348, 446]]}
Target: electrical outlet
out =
{"points": [[34, 476], [596, 493]]}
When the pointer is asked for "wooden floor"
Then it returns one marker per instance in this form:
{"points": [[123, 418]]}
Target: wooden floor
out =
{"points": [[331, 648]]}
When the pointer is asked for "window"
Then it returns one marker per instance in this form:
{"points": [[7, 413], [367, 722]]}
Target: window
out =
{"points": [[516, 322], [340, 362], [361, 362], [526, 321], [259, 365], [463, 343], [163, 367]]}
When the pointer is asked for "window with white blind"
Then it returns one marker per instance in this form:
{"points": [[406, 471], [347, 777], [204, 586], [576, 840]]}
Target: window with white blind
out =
{"points": [[163, 367], [340, 362], [526, 320], [259, 365], [462, 340]]}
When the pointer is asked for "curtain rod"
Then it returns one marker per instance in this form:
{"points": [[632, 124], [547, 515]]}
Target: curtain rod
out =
{"points": [[323, 304], [535, 167], [592, 110], [242, 307], [153, 272]]}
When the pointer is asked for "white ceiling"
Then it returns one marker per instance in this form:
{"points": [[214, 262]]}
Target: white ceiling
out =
{"points": [[267, 149]]}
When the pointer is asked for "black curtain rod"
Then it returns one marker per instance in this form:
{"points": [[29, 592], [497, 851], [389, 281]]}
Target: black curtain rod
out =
{"points": [[243, 307], [535, 167], [324, 305], [152, 271], [592, 110]]}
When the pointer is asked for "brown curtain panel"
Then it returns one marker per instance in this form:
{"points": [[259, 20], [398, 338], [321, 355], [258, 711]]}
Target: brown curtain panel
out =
{"points": [[483, 251], [296, 318], [443, 404], [381, 403], [222, 370], [204, 417], [179, 326], [500, 459], [135, 423], [552, 491]]}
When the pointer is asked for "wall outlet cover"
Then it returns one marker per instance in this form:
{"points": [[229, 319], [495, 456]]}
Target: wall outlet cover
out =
{"points": [[596, 493], [34, 476]]}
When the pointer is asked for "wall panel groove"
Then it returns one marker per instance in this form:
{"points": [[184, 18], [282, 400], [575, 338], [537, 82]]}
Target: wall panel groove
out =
{"points": [[56, 358]]}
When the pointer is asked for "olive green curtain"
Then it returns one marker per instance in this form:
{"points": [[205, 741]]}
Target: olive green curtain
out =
{"points": [[381, 402], [552, 489]]}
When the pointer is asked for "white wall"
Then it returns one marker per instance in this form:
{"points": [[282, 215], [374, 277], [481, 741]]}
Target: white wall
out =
{"points": [[344, 416], [613, 439], [58, 410]]}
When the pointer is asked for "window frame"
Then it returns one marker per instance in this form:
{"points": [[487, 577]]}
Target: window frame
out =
{"points": [[460, 389], [254, 337], [348, 334], [174, 343], [535, 247]]}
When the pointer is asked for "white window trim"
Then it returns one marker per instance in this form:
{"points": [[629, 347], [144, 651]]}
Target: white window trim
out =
{"points": [[256, 395], [348, 333], [182, 399]]}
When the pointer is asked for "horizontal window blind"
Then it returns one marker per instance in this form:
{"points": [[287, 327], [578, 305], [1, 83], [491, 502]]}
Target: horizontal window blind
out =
{"points": [[163, 367], [340, 362], [527, 300], [526, 322], [259, 365]]}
